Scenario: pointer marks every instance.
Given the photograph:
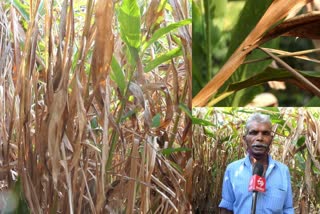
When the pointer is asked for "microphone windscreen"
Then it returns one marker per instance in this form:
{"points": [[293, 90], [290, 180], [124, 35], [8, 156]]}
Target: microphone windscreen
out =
{"points": [[258, 169]]}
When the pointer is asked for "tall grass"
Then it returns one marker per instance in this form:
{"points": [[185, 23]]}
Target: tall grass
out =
{"points": [[94, 103], [217, 142]]}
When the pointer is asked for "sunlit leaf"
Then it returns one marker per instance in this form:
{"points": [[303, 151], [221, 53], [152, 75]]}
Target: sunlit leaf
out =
{"points": [[129, 18], [163, 31], [202, 122], [23, 9], [163, 58]]}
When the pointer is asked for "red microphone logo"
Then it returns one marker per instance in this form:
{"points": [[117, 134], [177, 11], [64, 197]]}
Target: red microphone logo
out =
{"points": [[257, 184]]}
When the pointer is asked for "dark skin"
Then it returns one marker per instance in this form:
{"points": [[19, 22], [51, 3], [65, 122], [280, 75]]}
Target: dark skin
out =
{"points": [[258, 139]]}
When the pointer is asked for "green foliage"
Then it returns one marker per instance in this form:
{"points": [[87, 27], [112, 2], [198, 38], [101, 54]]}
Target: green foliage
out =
{"points": [[211, 27], [169, 151], [156, 120], [249, 17], [163, 58], [22, 8], [117, 75], [129, 18], [164, 31]]}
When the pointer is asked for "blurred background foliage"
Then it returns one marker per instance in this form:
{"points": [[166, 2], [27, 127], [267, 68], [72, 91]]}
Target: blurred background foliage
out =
{"points": [[218, 29], [217, 142]]}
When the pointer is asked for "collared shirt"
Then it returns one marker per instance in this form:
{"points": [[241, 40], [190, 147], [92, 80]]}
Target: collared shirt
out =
{"points": [[276, 199]]}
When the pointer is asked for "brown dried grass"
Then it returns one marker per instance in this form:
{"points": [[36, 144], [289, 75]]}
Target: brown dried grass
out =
{"points": [[76, 142]]}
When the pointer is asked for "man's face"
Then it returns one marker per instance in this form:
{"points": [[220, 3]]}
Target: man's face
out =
{"points": [[258, 139]]}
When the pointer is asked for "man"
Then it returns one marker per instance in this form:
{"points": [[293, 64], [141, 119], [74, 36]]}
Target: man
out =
{"points": [[278, 195]]}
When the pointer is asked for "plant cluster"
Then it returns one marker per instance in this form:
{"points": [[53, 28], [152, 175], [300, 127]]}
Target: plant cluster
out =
{"points": [[94, 102]]}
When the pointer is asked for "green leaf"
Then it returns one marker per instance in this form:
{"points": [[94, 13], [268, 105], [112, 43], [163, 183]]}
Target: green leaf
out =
{"points": [[232, 12], [117, 75], [41, 9], [94, 123], [301, 141], [311, 73], [163, 58], [249, 17], [127, 115], [218, 7], [129, 18], [169, 151], [269, 74], [22, 8], [163, 31], [156, 120], [314, 102], [185, 109], [202, 122]]}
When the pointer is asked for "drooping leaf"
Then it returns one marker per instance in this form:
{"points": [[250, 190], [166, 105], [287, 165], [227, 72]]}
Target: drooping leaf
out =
{"points": [[269, 74], [169, 151], [163, 31], [185, 109], [202, 122], [117, 75], [305, 26], [23, 9], [163, 58]]}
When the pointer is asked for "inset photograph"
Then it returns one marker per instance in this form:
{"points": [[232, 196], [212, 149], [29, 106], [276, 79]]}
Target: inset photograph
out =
{"points": [[256, 160], [256, 54]]}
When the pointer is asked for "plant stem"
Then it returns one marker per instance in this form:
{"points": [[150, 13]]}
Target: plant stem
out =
{"points": [[208, 35], [296, 74]]}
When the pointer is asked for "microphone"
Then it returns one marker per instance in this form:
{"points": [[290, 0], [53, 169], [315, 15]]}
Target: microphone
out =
{"points": [[257, 184]]}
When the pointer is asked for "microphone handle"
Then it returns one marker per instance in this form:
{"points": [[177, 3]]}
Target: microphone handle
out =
{"points": [[254, 202]]}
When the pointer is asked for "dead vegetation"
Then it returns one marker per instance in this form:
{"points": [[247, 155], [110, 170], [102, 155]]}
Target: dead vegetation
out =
{"points": [[94, 102]]}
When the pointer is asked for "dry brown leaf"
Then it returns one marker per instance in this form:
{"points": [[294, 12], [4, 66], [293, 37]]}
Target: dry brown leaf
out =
{"points": [[297, 54], [308, 175], [278, 10], [134, 161], [153, 87], [152, 15], [289, 146], [32, 197], [55, 129], [305, 26], [310, 141], [103, 50]]}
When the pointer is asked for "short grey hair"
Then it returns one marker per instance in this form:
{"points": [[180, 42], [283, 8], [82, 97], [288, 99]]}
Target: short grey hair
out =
{"points": [[257, 117]]}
